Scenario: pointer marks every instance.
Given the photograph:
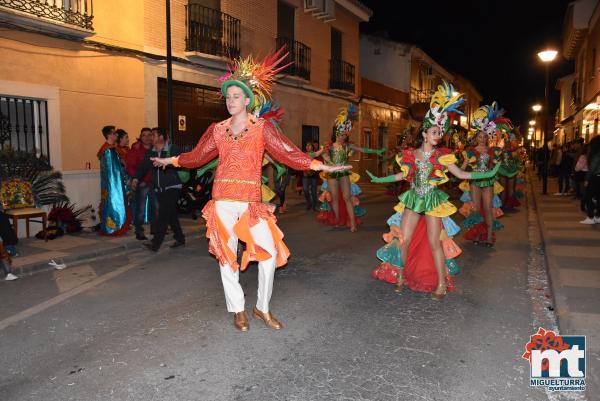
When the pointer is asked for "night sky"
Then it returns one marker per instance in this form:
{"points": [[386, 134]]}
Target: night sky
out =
{"points": [[492, 43]]}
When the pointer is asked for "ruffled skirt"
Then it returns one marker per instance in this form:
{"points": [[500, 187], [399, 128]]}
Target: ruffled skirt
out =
{"points": [[327, 215], [218, 235], [474, 223], [419, 273]]}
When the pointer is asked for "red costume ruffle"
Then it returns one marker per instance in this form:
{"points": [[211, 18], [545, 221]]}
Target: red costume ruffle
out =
{"points": [[328, 217], [479, 233], [420, 273]]}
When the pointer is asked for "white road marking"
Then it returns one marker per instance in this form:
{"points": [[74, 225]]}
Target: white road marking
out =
{"points": [[34, 310]]}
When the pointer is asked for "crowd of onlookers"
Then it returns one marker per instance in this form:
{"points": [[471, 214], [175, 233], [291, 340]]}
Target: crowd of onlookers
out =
{"points": [[576, 166], [153, 192]]}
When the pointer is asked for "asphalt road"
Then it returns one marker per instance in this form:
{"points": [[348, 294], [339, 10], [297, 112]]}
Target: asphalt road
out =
{"points": [[155, 327]]}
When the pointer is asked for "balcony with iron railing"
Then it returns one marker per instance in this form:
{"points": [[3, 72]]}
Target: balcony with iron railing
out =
{"points": [[212, 32], [298, 57], [72, 17], [341, 75]]}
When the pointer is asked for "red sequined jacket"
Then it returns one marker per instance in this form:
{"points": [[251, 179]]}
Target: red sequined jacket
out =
{"points": [[238, 175]]}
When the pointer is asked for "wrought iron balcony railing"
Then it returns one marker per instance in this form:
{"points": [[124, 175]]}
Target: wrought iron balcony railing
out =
{"points": [[212, 32], [299, 57], [73, 12], [341, 75]]}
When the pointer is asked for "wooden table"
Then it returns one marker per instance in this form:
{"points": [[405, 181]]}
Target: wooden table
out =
{"points": [[27, 213]]}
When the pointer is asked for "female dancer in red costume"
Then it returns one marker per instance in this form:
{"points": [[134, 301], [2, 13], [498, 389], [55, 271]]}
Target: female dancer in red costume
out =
{"points": [[482, 205], [419, 246], [342, 210]]}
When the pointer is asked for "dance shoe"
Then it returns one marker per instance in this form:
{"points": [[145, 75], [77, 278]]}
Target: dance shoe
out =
{"points": [[268, 318], [438, 295], [240, 321], [399, 286]]}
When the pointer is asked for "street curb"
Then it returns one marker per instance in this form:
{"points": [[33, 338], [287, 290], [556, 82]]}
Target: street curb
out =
{"points": [[39, 267], [120, 249], [561, 308]]}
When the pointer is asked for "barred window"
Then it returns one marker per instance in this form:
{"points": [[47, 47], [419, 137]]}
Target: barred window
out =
{"points": [[24, 125]]}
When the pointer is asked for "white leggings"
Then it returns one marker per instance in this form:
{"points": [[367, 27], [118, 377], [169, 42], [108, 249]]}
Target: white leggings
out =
{"points": [[229, 213]]}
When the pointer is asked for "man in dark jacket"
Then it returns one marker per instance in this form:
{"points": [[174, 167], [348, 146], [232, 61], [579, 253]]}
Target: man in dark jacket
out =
{"points": [[144, 194], [167, 185]]}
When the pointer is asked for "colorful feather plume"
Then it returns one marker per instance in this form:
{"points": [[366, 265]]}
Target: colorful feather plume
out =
{"points": [[446, 99], [343, 121], [258, 76], [46, 184], [443, 102], [273, 113], [490, 119]]}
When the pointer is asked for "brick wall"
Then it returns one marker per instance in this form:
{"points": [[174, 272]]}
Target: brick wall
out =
{"points": [[155, 24], [258, 23]]}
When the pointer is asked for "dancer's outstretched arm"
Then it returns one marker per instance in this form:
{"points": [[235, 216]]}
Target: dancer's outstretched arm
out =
{"points": [[389, 178], [284, 150], [317, 153], [475, 175], [205, 151], [377, 152]]}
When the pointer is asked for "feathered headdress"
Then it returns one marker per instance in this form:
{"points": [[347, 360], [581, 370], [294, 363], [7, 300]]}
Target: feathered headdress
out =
{"points": [[444, 101], [490, 119], [343, 121], [254, 78], [273, 113]]}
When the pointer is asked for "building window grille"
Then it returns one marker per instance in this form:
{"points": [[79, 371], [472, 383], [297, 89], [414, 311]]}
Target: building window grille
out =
{"points": [[212, 32], [24, 125]]}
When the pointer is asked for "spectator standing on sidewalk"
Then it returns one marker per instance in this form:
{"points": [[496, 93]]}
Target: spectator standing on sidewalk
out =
{"points": [[122, 143], [145, 197], [114, 211], [591, 198], [281, 184], [167, 186], [309, 180], [564, 170], [581, 169], [554, 161], [9, 240]]}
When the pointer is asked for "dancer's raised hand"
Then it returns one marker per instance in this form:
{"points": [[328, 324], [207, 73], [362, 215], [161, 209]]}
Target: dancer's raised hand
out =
{"points": [[333, 169]]}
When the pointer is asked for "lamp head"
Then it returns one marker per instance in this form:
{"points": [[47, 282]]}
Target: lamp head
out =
{"points": [[547, 56]]}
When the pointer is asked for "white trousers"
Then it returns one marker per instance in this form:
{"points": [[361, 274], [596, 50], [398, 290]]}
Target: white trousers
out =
{"points": [[229, 213]]}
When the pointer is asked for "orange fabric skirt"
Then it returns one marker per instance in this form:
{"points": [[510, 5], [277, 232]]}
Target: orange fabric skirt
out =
{"points": [[218, 236]]}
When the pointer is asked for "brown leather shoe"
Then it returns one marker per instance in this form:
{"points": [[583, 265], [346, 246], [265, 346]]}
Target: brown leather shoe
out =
{"points": [[268, 318], [240, 321]]}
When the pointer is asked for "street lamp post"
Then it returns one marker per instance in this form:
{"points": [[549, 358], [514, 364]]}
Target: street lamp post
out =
{"points": [[170, 125], [546, 56], [536, 109]]}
